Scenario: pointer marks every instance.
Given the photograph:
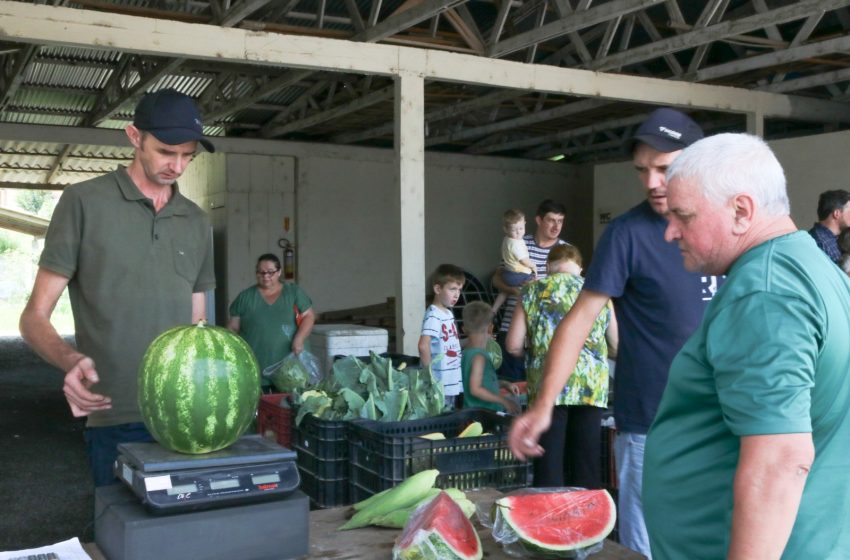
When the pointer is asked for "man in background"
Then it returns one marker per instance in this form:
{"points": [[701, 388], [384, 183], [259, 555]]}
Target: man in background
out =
{"points": [[658, 305], [549, 221], [136, 257], [834, 217]]}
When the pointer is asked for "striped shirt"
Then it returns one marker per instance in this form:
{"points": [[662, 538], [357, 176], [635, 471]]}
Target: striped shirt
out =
{"points": [[538, 256]]}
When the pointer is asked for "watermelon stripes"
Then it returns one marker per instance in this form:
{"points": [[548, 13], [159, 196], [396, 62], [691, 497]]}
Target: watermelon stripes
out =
{"points": [[199, 386]]}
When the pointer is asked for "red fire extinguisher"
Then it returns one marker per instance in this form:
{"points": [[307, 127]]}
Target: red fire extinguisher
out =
{"points": [[288, 258]]}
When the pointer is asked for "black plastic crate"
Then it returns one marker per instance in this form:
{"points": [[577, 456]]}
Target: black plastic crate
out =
{"points": [[324, 492], [385, 453], [322, 468], [322, 449], [324, 439]]}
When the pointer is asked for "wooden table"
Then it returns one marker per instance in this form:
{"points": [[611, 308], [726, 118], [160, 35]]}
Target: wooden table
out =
{"points": [[375, 543]]}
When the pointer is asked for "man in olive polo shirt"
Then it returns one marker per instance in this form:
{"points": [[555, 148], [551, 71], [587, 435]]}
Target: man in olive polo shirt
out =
{"points": [[136, 256]]}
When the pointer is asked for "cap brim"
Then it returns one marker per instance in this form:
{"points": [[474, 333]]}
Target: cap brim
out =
{"points": [[659, 143], [174, 136]]}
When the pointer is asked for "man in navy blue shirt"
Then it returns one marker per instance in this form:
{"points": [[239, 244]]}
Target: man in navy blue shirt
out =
{"points": [[834, 216], [658, 304]]}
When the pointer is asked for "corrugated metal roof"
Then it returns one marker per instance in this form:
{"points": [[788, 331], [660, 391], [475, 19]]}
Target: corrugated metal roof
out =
{"points": [[30, 162], [63, 85]]}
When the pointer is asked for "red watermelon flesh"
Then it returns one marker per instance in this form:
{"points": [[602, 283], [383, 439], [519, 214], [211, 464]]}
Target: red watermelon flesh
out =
{"points": [[439, 530], [558, 520]]}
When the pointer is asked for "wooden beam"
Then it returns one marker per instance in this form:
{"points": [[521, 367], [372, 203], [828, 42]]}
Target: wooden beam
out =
{"points": [[31, 186], [716, 32], [23, 223], [31, 23], [399, 21], [409, 218], [329, 114], [575, 22]]}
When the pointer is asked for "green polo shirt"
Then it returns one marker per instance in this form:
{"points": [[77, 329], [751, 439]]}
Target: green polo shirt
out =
{"points": [[131, 275], [770, 357]]}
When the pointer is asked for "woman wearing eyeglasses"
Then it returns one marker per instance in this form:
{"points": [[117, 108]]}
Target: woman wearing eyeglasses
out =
{"points": [[274, 318]]}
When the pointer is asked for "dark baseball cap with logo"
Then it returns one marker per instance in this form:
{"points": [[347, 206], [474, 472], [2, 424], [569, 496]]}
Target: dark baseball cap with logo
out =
{"points": [[666, 130], [172, 117]]}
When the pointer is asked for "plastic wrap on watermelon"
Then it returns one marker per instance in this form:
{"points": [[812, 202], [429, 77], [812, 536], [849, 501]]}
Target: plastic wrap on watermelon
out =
{"points": [[552, 522], [438, 530]]}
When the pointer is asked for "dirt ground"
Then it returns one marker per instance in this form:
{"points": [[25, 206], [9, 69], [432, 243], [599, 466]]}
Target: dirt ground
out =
{"points": [[46, 490]]}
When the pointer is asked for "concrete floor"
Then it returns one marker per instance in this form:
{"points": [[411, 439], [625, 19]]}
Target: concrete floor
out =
{"points": [[46, 492]]}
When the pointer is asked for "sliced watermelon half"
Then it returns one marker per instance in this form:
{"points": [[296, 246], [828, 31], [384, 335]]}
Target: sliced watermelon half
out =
{"points": [[560, 520], [439, 530]]}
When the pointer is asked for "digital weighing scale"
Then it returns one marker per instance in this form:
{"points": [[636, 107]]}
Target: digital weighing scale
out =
{"points": [[254, 469]]}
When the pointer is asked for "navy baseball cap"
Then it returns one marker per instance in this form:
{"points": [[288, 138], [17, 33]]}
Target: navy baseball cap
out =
{"points": [[172, 117], [667, 130]]}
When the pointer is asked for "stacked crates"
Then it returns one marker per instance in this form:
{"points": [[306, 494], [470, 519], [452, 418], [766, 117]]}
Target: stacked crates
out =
{"points": [[322, 448], [382, 454]]}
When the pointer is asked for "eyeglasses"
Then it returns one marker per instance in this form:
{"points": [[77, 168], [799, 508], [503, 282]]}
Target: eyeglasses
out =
{"points": [[268, 272]]}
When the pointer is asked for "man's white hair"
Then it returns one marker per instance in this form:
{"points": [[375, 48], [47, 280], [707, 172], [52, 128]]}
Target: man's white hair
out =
{"points": [[727, 164]]}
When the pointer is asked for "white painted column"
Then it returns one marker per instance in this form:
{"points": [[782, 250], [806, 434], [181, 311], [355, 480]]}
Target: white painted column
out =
{"points": [[410, 178], [755, 123]]}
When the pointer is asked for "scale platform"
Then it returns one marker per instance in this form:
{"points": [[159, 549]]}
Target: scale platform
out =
{"points": [[253, 469], [275, 530]]}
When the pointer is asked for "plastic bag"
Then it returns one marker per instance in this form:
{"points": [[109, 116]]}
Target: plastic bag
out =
{"points": [[431, 527], [555, 518], [495, 352], [296, 371]]}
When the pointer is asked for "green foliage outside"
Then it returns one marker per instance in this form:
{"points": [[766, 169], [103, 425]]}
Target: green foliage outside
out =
{"points": [[39, 202], [7, 243], [18, 258]]}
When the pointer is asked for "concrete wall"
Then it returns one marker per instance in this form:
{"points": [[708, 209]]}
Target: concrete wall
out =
{"points": [[346, 222], [260, 205], [340, 202], [812, 165], [204, 182]]}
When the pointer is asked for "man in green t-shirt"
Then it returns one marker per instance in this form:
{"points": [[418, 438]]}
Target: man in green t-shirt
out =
{"points": [[747, 456], [136, 257]]}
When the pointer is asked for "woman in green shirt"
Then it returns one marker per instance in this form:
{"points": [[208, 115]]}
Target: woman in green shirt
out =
{"points": [[274, 318]]}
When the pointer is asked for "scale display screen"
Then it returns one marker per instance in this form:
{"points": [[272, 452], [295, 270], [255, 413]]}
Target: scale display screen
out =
{"points": [[265, 479], [224, 484], [182, 489]]}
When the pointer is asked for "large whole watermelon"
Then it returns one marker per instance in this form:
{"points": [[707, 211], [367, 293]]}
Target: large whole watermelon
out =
{"points": [[438, 530], [554, 522], [199, 386]]}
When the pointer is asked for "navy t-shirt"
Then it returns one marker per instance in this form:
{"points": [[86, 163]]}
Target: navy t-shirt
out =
{"points": [[658, 303]]}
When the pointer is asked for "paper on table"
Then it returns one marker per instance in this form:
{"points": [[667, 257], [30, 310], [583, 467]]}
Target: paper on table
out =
{"points": [[66, 550]]}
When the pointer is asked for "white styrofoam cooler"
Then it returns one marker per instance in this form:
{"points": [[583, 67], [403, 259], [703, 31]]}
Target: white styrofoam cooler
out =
{"points": [[327, 341]]}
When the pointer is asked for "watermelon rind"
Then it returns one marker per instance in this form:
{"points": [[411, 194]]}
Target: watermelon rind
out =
{"points": [[540, 509], [199, 387], [433, 528], [430, 545]]}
